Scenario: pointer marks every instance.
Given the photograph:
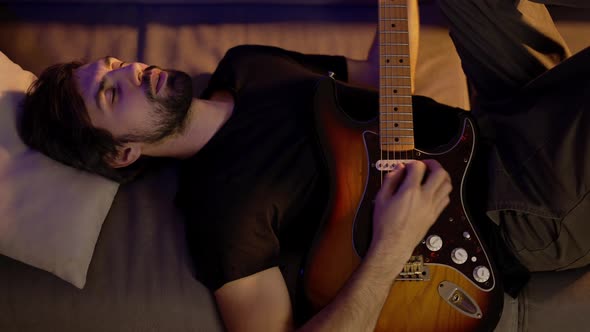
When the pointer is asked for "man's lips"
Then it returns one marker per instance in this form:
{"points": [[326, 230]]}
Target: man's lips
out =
{"points": [[157, 80], [161, 80]]}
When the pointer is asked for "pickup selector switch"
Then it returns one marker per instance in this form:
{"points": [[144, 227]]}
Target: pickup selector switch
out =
{"points": [[434, 243], [459, 255]]}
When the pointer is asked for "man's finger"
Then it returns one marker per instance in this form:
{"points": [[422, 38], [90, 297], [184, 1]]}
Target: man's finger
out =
{"points": [[441, 205], [391, 182], [414, 174], [436, 176]]}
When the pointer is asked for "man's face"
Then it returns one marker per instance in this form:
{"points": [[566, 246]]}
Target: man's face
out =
{"points": [[134, 100]]}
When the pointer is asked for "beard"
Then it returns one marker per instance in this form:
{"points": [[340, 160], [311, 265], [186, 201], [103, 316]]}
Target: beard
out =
{"points": [[169, 111]]}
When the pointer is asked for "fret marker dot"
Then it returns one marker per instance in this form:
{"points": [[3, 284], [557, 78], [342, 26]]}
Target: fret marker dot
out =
{"points": [[387, 60], [396, 125], [395, 109], [401, 60], [397, 139], [393, 25], [394, 91]]}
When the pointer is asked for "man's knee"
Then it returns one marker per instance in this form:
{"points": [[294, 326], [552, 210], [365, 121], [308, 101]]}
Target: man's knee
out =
{"points": [[549, 244]]}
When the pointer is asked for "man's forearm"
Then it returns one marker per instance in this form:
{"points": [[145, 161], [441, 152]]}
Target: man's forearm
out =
{"points": [[358, 304]]}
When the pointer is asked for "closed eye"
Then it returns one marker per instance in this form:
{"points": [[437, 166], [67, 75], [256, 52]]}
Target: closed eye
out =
{"points": [[113, 92]]}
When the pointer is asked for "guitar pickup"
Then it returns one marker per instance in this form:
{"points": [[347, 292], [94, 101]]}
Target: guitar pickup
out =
{"points": [[389, 164]]}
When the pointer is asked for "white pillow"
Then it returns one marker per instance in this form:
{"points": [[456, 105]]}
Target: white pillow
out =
{"points": [[50, 214]]}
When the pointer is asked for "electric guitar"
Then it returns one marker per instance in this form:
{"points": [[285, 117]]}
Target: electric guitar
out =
{"points": [[450, 282]]}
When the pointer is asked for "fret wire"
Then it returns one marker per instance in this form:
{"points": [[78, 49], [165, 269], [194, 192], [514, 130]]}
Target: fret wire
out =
{"points": [[397, 121], [398, 142], [395, 66], [393, 6], [406, 141], [399, 145], [394, 32], [396, 86], [399, 44], [396, 105], [400, 139], [397, 136]]}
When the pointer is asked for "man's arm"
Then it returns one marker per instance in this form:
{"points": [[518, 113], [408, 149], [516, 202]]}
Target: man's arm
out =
{"points": [[404, 210], [260, 302]]}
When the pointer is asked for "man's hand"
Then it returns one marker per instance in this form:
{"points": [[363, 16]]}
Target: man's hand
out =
{"points": [[407, 205]]}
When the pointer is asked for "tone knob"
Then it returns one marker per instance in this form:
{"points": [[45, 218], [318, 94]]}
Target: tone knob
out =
{"points": [[459, 255], [434, 243], [481, 274]]}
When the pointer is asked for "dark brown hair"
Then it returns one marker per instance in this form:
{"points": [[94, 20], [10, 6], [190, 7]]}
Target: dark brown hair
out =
{"points": [[54, 120]]}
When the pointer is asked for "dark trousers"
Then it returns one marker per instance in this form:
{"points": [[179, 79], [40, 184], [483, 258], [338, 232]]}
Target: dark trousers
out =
{"points": [[533, 108]]}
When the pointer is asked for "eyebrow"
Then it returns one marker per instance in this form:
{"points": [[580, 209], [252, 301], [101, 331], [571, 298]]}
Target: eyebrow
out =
{"points": [[106, 61]]}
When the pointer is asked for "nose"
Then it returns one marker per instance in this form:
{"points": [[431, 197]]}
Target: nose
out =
{"points": [[136, 70], [131, 72]]}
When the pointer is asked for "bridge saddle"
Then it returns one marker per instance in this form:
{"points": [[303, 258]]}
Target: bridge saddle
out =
{"points": [[414, 269]]}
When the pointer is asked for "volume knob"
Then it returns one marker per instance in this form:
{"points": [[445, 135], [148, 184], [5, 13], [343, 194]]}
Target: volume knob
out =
{"points": [[434, 243], [481, 274], [459, 255]]}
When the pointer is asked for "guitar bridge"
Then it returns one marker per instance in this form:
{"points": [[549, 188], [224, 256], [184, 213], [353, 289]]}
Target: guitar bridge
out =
{"points": [[414, 270]]}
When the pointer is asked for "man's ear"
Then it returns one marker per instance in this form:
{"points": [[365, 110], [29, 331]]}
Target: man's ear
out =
{"points": [[126, 155]]}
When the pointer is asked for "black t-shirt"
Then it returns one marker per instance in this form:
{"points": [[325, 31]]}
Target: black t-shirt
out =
{"points": [[257, 188]]}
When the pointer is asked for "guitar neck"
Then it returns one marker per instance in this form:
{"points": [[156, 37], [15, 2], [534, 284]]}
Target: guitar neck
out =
{"points": [[396, 123]]}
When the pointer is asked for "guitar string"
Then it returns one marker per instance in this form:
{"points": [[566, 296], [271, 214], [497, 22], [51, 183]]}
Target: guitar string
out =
{"points": [[399, 39], [381, 90], [394, 142], [391, 139]]}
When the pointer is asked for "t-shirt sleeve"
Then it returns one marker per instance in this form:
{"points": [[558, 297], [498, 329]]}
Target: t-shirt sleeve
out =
{"points": [[317, 63], [257, 62], [230, 234]]}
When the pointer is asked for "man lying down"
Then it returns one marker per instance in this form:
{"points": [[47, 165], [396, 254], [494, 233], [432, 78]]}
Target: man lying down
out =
{"points": [[253, 177]]}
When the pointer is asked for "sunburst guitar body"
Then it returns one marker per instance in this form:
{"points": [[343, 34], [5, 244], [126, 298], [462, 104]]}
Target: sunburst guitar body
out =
{"points": [[450, 282]]}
